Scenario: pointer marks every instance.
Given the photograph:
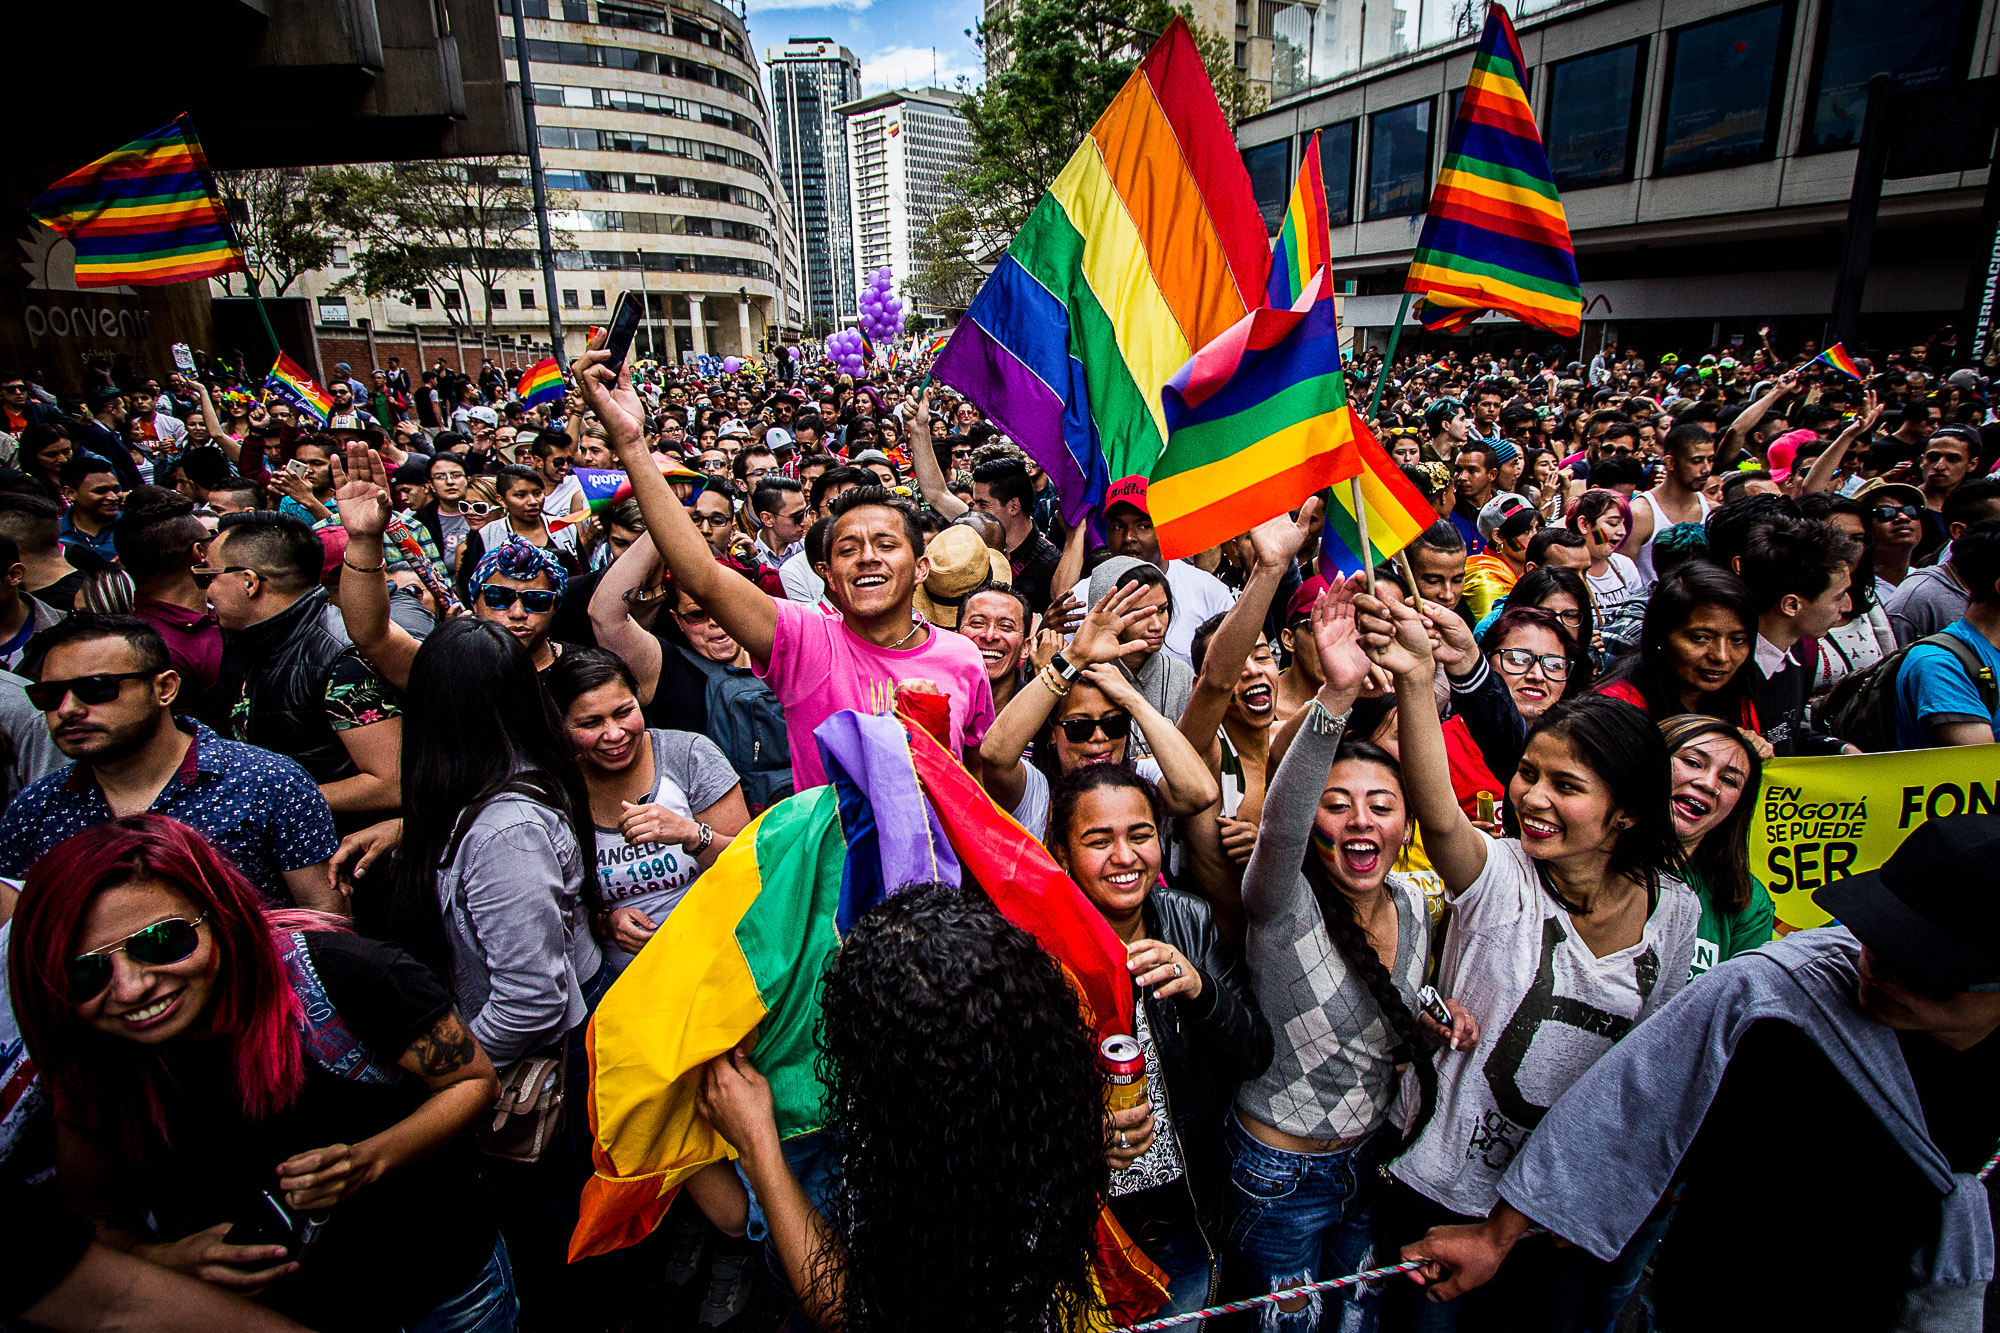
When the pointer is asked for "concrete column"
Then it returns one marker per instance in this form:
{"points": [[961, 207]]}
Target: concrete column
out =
{"points": [[700, 328], [743, 344], [368, 327], [416, 379]]}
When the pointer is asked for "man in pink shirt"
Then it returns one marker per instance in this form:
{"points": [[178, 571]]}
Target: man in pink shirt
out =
{"points": [[816, 664]]}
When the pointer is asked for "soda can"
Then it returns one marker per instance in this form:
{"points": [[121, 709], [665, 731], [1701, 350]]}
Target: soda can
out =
{"points": [[1124, 1068]]}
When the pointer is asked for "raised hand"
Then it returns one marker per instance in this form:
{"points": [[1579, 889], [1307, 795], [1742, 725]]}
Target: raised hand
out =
{"points": [[1338, 639], [1392, 634], [361, 491], [1277, 542], [610, 395], [1101, 637]]}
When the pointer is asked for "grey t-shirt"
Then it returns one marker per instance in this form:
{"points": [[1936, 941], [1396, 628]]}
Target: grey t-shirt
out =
{"points": [[1925, 602], [690, 775]]}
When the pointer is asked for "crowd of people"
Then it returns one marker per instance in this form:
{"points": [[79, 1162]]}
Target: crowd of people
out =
{"points": [[347, 764]]}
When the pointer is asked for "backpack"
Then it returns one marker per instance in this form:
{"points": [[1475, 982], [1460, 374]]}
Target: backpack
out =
{"points": [[747, 723], [1861, 707]]}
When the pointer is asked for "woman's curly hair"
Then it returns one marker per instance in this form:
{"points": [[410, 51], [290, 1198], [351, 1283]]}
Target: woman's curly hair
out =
{"points": [[964, 1117]]}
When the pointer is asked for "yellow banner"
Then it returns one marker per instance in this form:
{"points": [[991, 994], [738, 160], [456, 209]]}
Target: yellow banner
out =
{"points": [[1825, 818]]}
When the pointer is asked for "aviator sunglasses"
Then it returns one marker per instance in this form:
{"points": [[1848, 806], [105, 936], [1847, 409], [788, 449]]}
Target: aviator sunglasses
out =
{"points": [[158, 945]]}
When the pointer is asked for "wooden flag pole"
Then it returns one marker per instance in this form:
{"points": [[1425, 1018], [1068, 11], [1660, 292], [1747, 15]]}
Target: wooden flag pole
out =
{"points": [[1389, 357], [1361, 534]]}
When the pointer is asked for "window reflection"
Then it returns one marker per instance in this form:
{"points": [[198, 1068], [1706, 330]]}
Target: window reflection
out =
{"points": [[1723, 81], [1592, 123], [1270, 168], [1399, 160], [1921, 42], [1336, 164]]}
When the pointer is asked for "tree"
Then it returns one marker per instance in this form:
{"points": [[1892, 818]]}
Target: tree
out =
{"points": [[445, 227], [284, 235]]}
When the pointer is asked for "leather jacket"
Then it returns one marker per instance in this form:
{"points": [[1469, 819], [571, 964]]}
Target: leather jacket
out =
{"points": [[1206, 1046], [286, 662]]}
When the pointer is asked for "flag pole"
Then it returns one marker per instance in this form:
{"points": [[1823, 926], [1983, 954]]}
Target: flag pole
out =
{"points": [[1361, 533], [257, 298], [1388, 359]]}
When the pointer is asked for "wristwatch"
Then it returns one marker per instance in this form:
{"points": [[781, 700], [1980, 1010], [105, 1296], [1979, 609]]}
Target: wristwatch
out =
{"points": [[1064, 668]]}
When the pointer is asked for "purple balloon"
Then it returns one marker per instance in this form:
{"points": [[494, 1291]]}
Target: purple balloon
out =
{"points": [[731, 364]]}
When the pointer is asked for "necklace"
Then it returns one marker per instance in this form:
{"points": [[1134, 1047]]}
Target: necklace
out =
{"points": [[916, 623]]}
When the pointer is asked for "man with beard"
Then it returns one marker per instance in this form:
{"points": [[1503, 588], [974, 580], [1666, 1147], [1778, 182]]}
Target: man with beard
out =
{"points": [[107, 691]]}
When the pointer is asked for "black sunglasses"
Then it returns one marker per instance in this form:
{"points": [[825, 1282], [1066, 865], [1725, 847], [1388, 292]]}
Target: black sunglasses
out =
{"points": [[1890, 513], [1115, 726], [99, 688], [157, 945], [536, 601]]}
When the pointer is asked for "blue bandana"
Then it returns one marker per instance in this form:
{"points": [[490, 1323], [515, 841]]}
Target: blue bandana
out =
{"points": [[519, 560]]}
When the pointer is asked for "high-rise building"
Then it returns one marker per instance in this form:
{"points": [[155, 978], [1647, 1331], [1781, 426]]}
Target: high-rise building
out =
{"points": [[654, 129], [810, 76], [901, 145]]}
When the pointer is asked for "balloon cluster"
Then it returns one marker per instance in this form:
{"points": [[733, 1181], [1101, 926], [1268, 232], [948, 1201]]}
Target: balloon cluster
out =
{"points": [[881, 308], [844, 349]]}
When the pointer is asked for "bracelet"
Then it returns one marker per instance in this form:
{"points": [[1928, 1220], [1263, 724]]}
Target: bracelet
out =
{"points": [[378, 569], [1322, 719], [707, 837], [1054, 683]]}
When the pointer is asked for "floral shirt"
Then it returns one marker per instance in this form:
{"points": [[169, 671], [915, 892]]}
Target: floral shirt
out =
{"points": [[356, 695]]}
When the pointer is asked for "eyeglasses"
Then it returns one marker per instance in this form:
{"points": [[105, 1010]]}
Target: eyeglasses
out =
{"points": [[1079, 730], [695, 617], [1890, 513], [1516, 661], [157, 945], [711, 520], [1570, 619], [99, 688], [535, 601]]}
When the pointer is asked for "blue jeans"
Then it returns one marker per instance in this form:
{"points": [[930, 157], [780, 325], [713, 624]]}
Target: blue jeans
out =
{"points": [[1184, 1259], [487, 1306], [1297, 1218]]}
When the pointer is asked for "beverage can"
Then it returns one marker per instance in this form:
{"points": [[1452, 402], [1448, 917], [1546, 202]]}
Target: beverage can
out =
{"points": [[1124, 1073]]}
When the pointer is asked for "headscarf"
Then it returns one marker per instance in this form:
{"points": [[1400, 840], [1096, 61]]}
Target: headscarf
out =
{"points": [[520, 560]]}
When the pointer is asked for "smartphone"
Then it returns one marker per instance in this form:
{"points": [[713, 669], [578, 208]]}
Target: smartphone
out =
{"points": [[1433, 1004], [295, 468], [625, 317], [268, 1222]]}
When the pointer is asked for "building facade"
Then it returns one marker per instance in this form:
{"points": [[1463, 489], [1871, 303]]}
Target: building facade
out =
{"points": [[810, 76], [901, 145], [654, 132], [1705, 150]]}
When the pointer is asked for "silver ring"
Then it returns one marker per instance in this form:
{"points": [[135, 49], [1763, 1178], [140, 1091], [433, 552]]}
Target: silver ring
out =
{"points": [[1121, 1140], [1177, 969]]}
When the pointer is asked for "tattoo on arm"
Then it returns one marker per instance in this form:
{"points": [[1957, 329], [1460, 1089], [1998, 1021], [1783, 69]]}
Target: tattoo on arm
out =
{"points": [[447, 1048]]}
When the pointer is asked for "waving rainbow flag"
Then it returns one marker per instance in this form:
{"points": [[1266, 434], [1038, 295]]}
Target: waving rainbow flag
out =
{"points": [[542, 383], [1147, 247], [289, 382], [1396, 511], [1496, 237], [1304, 243], [1837, 357], [144, 215]]}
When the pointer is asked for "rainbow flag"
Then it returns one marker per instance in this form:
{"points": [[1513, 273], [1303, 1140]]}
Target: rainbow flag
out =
{"points": [[1496, 237], [1147, 247], [1837, 357], [289, 382], [936, 345], [1258, 421], [1396, 511], [745, 949], [542, 383], [1304, 244], [604, 488], [144, 215]]}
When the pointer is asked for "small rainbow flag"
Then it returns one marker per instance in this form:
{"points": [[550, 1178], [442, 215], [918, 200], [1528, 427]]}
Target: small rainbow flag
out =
{"points": [[1837, 357], [1495, 236], [1257, 421], [604, 488], [936, 345], [542, 383], [289, 383], [144, 215], [1303, 246], [1397, 511]]}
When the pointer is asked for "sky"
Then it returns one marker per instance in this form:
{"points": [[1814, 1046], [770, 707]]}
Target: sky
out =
{"points": [[893, 38]]}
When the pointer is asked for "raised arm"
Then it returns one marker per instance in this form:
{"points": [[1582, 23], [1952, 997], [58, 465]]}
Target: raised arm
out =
{"points": [[1276, 544], [923, 457], [363, 499], [1827, 466], [611, 619], [739, 605], [1739, 429], [1186, 785], [213, 422]]}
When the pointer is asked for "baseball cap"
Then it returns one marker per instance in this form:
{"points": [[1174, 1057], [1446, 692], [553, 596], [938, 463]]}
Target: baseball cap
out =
{"points": [[483, 414], [1966, 379], [777, 437], [1127, 490], [1927, 912], [1301, 605], [1498, 510], [867, 456], [1785, 449]]}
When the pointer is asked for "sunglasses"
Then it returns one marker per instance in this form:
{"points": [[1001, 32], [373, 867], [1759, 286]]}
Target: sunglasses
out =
{"points": [[1890, 513], [1079, 730], [476, 508], [1516, 661], [535, 601], [157, 945], [100, 688]]}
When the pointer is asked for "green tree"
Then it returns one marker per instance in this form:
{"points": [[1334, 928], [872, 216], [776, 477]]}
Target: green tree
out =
{"points": [[284, 235], [437, 226]]}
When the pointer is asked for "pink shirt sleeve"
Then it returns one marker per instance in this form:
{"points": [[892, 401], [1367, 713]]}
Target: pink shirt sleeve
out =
{"points": [[801, 650]]}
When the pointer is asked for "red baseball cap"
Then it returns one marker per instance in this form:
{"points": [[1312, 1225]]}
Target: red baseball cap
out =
{"points": [[1302, 601], [1127, 490]]}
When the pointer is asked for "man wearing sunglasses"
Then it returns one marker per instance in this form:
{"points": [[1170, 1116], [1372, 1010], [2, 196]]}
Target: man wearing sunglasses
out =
{"points": [[305, 691], [1869, 1042], [1930, 596], [107, 693]]}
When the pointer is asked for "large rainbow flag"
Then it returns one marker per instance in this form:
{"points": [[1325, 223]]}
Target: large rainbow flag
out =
{"points": [[1495, 237], [144, 215], [746, 948], [1396, 511], [1146, 248], [1304, 245], [1259, 421]]}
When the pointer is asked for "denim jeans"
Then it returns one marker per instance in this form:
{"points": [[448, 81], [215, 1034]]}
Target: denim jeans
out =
{"points": [[1296, 1218], [487, 1306]]}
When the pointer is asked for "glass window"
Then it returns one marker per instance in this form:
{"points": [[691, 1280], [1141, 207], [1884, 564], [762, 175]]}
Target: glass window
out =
{"points": [[496, 299], [527, 298], [421, 298], [1388, 28], [1723, 81], [1591, 128], [1270, 168], [1922, 42], [1336, 164], [452, 300], [569, 298], [597, 300], [1399, 160]]}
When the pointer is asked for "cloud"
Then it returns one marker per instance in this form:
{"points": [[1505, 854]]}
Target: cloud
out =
{"points": [[760, 6], [912, 67]]}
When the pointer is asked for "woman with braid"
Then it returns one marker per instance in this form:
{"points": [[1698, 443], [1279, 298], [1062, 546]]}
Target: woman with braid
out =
{"points": [[1337, 948]]}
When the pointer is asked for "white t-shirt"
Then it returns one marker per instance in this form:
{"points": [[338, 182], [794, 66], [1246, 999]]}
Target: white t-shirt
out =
{"points": [[1616, 586], [1032, 813], [1548, 1008], [690, 774], [564, 500]]}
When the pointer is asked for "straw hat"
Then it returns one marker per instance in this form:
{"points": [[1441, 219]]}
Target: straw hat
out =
{"points": [[960, 562]]}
